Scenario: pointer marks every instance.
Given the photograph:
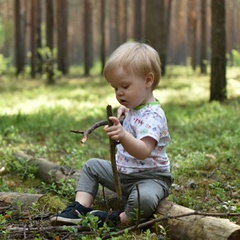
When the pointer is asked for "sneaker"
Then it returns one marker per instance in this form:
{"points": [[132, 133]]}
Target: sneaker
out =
{"points": [[111, 218], [70, 215]]}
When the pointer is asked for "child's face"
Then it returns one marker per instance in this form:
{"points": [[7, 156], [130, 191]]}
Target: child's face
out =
{"points": [[131, 90]]}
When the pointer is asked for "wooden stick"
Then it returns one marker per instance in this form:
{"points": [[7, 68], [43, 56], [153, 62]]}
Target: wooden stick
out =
{"points": [[112, 145], [92, 128], [89, 130]]}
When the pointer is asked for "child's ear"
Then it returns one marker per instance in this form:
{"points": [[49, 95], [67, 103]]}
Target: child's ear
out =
{"points": [[149, 79]]}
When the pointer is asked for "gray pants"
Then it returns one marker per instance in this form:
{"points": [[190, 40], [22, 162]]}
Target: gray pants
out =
{"points": [[152, 186]]}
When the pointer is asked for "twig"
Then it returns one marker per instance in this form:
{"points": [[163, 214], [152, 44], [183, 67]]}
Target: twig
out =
{"points": [[27, 229], [112, 145], [139, 206], [92, 128], [89, 130]]}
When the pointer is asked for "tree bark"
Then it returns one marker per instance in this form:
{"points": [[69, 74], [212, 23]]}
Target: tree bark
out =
{"points": [[33, 38], [203, 53], [196, 227], [138, 20], [62, 36], [49, 24], [10, 200], [188, 227], [48, 171], [154, 29], [192, 33], [88, 36], [218, 83], [19, 12], [103, 36]]}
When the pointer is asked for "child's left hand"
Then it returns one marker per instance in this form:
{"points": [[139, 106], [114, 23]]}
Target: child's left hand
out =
{"points": [[116, 131]]}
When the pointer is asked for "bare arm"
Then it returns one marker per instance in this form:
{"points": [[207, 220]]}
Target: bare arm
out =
{"points": [[138, 148]]}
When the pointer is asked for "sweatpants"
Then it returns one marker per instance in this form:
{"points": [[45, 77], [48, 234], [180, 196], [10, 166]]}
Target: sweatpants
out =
{"points": [[147, 188]]}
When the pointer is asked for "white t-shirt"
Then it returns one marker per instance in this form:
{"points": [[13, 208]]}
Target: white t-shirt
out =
{"points": [[145, 121]]}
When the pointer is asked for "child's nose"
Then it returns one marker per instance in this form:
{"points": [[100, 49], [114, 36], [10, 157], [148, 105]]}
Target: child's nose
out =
{"points": [[119, 92]]}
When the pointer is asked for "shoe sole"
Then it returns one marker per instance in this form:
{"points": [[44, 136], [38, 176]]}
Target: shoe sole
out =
{"points": [[64, 221], [96, 211]]}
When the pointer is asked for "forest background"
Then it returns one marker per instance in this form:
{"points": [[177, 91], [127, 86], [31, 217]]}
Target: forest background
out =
{"points": [[51, 58]]}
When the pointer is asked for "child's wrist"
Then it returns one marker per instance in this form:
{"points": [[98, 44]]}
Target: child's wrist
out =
{"points": [[123, 136]]}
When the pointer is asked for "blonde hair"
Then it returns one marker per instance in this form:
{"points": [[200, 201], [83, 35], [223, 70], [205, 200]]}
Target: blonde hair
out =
{"points": [[135, 58]]}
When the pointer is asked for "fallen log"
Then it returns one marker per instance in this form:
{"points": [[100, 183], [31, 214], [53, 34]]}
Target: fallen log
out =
{"points": [[187, 225], [48, 171], [194, 225], [12, 200]]}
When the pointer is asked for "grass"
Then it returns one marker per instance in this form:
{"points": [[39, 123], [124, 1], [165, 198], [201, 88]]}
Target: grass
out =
{"points": [[204, 151]]}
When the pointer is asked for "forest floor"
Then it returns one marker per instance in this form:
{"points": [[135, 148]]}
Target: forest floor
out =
{"points": [[37, 119]]}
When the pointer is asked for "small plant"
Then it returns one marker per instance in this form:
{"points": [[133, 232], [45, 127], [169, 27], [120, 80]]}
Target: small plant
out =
{"points": [[88, 221], [4, 62], [25, 169], [3, 220], [50, 71], [136, 216], [62, 188]]}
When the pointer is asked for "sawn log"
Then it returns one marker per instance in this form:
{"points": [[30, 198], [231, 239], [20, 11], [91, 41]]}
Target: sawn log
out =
{"points": [[195, 227]]}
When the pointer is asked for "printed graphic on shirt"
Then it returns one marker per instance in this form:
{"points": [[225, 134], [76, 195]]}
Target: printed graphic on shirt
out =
{"points": [[149, 121]]}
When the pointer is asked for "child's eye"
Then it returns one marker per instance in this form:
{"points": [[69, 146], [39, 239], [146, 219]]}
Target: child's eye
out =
{"points": [[125, 87]]}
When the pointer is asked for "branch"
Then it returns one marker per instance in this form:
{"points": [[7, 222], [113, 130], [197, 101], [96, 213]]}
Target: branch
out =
{"points": [[90, 130]]}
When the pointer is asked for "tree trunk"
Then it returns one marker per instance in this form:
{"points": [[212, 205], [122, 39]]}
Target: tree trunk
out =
{"points": [[102, 29], [39, 36], [218, 88], [203, 53], [62, 30], [50, 41], [19, 36], [190, 227], [154, 28], [113, 28], [167, 24], [49, 24], [196, 227], [162, 39], [88, 36], [138, 20], [33, 37], [6, 48], [192, 33]]}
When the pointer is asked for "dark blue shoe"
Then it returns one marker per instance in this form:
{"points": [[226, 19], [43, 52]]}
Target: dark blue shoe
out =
{"points": [[110, 218], [70, 215]]}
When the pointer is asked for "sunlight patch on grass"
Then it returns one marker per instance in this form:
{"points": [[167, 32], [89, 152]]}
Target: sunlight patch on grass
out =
{"points": [[183, 94], [233, 87]]}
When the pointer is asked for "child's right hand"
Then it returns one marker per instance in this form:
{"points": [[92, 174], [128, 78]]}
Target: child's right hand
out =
{"points": [[116, 131], [122, 112]]}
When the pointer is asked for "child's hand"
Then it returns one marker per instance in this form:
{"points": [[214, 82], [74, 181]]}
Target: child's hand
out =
{"points": [[116, 131], [122, 112]]}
